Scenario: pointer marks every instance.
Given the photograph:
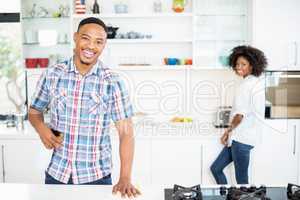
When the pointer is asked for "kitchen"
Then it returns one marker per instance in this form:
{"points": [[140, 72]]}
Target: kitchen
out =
{"points": [[176, 103]]}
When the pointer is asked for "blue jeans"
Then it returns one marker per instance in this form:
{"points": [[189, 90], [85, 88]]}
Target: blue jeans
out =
{"points": [[239, 153], [103, 181]]}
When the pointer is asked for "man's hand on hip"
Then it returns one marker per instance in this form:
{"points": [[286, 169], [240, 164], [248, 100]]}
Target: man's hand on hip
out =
{"points": [[49, 140]]}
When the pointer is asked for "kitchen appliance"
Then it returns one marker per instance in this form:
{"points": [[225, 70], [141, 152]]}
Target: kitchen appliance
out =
{"points": [[243, 192], [223, 117], [282, 94], [293, 192], [226, 193], [183, 193], [111, 32]]}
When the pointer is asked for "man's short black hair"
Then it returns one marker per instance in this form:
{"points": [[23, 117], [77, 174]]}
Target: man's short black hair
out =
{"points": [[92, 20]]}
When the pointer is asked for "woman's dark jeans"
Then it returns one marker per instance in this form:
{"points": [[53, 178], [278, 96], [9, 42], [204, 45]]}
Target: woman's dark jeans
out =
{"points": [[239, 153]]}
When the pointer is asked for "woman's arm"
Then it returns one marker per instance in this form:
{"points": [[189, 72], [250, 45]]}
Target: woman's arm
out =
{"points": [[237, 119]]}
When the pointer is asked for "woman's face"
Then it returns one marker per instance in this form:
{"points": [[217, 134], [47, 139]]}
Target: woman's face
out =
{"points": [[243, 67]]}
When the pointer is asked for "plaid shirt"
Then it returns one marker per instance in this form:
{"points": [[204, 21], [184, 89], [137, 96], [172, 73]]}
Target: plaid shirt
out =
{"points": [[81, 108]]}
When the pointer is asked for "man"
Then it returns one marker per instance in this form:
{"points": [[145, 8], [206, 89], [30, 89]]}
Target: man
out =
{"points": [[83, 96]]}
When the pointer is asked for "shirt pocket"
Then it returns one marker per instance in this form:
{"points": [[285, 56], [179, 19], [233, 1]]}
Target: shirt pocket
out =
{"points": [[59, 100], [97, 105]]}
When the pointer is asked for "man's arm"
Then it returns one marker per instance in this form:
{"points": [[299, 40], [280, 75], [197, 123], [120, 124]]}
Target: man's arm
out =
{"points": [[36, 119], [126, 150]]}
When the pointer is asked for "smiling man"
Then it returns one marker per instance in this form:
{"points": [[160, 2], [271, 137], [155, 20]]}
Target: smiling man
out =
{"points": [[83, 97]]}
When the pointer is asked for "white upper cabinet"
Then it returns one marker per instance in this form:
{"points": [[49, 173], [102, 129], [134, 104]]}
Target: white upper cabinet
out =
{"points": [[276, 31], [11, 6]]}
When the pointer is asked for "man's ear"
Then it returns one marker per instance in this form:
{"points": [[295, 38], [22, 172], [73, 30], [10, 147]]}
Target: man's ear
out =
{"points": [[75, 37]]}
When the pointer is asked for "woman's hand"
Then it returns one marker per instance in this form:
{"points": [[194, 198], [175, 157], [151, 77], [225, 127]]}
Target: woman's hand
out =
{"points": [[225, 137]]}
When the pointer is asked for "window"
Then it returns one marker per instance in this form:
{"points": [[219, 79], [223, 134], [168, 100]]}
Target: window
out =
{"points": [[12, 78]]}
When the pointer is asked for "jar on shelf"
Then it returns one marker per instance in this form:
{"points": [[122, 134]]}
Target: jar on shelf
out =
{"points": [[121, 7], [157, 6]]}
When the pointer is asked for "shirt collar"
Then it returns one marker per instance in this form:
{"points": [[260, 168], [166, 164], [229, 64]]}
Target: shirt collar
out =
{"points": [[95, 69], [250, 76]]}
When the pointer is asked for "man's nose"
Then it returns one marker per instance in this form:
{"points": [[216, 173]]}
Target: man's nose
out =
{"points": [[91, 45]]}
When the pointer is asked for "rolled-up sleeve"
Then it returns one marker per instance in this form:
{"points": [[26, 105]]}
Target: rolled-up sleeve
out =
{"points": [[120, 104], [40, 98], [242, 102]]}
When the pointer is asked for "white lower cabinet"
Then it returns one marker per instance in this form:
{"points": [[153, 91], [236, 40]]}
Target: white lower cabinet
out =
{"points": [[25, 161], [276, 157], [294, 127], [176, 161], [1, 163], [171, 160], [141, 169]]}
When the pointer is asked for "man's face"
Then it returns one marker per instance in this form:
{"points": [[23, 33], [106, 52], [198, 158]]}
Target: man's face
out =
{"points": [[89, 41]]}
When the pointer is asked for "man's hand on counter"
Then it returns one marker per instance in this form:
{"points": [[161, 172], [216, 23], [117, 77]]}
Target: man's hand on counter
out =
{"points": [[125, 187]]}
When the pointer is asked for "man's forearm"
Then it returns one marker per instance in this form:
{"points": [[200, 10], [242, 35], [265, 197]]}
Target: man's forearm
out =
{"points": [[126, 148], [126, 155], [36, 119]]}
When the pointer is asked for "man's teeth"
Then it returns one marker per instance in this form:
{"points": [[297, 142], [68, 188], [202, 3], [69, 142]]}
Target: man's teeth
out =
{"points": [[88, 54]]}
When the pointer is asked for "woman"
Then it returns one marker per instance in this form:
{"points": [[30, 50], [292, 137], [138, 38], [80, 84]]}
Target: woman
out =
{"points": [[238, 140]]}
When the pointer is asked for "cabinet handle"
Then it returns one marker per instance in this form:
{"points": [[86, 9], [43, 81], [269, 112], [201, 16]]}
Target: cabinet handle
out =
{"points": [[3, 164], [295, 139], [201, 164]]}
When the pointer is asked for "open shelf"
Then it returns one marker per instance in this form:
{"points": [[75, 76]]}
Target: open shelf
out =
{"points": [[39, 44], [150, 68], [134, 15], [129, 41], [42, 18]]}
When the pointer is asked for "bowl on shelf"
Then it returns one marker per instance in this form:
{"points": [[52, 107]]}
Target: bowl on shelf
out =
{"points": [[188, 61], [31, 62], [224, 60], [121, 8], [171, 61], [43, 62]]}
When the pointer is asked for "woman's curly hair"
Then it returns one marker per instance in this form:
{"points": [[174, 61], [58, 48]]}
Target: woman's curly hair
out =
{"points": [[254, 56]]}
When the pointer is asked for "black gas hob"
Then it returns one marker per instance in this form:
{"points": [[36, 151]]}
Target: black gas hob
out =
{"points": [[292, 192]]}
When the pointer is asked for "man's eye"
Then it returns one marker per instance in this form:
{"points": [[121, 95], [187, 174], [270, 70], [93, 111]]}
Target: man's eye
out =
{"points": [[99, 42]]}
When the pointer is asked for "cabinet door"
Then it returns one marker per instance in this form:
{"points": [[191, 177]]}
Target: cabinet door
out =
{"points": [[275, 160], [211, 150], [294, 128], [275, 29], [25, 161], [1, 163], [141, 169], [176, 161]]}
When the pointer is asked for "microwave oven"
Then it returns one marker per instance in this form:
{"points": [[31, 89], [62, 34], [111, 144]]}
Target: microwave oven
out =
{"points": [[282, 94]]}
